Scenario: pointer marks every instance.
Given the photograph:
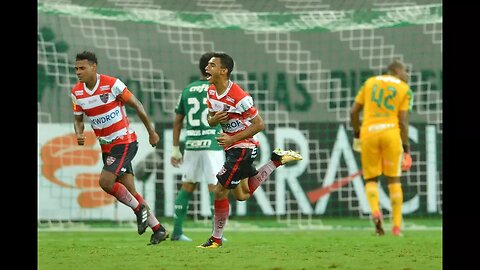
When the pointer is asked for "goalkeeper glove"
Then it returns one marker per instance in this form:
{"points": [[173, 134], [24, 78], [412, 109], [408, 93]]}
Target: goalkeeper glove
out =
{"points": [[407, 158], [357, 146]]}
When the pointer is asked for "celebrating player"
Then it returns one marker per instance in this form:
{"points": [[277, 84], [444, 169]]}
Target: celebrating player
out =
{"points": [[102, 99], [233, 108], [203, 157]]}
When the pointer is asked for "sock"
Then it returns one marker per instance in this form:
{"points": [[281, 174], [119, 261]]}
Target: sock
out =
{"points": [[211, 206], [152, 221], [263, 173], [396, 201], [371, 190], [181, 208], [122, 194], [222, 208]]}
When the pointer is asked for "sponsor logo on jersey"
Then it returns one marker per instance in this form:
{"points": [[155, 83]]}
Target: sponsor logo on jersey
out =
{"points": [[194, 132], [228, 98], [104, 97], [244, 108], [232, 126], [78, 92], [198, 143], [105, 118], [246, 103], [123, 169], [110, 160], [197, 132], [209, 132], [105, 87], [222, 171], [199, 88]]}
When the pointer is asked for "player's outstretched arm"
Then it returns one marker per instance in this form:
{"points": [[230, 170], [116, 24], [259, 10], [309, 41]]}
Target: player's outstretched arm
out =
{"points": [[137, 105]]}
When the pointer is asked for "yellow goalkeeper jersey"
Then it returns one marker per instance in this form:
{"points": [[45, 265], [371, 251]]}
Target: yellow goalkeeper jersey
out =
{"points": [[382, 98]]}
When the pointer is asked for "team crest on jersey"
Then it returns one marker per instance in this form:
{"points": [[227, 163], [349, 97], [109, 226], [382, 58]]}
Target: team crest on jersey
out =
{"points": [[110, 160], [211, 92], [216, 107], [226, 107], [104, 97]]}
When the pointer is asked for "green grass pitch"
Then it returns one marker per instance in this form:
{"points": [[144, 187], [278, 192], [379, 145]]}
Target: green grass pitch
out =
{"points": [[334, 247]]}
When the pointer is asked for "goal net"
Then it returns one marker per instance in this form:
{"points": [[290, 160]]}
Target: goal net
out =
{"points": [[302, 61]]}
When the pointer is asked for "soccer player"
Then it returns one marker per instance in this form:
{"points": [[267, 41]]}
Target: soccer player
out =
{"points": [[382, 138], [233, 108], [102, 99], [203, 157]]}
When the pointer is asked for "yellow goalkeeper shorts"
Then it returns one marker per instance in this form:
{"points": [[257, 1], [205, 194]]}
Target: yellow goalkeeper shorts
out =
{"points": [[382, 154]]}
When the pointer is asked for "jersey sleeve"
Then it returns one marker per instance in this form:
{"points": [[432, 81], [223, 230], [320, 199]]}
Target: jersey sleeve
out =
{"points": [[407, 102], [118, 88], [77, 109], [246, 107], [125, 96]]}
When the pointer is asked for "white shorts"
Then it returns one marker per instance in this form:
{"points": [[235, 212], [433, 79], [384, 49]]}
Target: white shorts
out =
{"points": [[199, 166]]}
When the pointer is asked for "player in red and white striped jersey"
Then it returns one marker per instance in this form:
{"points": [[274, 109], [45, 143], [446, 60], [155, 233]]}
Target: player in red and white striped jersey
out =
{"points": [[102, 99], [231, 107]]}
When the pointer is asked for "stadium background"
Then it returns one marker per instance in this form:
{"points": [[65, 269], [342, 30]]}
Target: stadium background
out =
{"points": [[302, 61]]}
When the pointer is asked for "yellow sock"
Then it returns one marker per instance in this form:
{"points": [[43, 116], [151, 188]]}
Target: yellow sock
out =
{"points": [[371, 190], [396, 200]]}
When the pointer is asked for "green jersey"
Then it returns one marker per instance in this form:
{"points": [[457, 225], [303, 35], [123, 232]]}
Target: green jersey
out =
{"points": [[193, 105]]}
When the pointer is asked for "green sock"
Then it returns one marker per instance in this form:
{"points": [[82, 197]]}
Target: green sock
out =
{"points": [[181, 207]]}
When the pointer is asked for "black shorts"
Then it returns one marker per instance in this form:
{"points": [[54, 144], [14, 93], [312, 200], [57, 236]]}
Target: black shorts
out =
{"points": [[119, 160], [237, 166]]}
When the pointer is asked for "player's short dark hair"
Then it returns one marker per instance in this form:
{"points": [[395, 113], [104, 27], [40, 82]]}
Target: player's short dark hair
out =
{"points": [[203, 62], [226, 61], [395, 65], [87, 55]]}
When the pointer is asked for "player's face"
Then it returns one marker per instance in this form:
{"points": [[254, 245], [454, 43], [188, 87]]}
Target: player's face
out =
{"points": [[214, 70], [85, 71]]}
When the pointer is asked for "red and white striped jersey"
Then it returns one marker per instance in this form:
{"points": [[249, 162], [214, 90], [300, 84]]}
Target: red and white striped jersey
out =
{"points": [[104, 107], [240, 108]]}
